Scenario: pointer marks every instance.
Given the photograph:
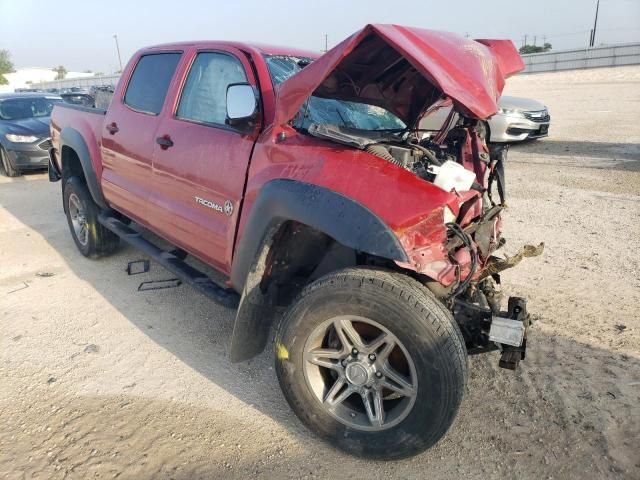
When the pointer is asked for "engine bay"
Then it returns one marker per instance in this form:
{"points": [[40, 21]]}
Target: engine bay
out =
{"points": [[398, 148]]}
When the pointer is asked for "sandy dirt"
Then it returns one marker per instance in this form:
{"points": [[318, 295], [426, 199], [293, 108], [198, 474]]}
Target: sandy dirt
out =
{"points": [[99, 380]]}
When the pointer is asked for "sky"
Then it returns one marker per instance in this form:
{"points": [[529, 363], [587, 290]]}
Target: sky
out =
{"points": [[78, 34]]}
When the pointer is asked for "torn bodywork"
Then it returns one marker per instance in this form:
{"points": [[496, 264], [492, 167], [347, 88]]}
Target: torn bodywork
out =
{"points": [[409, 72]]}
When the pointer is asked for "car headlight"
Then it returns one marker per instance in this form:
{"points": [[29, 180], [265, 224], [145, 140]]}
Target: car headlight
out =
{"points": [[20, 138], [508, 111]]}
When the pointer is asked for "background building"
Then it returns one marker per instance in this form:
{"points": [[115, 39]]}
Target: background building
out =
{"points": [[31, 76]]}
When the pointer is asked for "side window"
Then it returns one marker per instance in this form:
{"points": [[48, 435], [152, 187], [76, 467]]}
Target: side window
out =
{"points": [[204, 96], [150, 81]]}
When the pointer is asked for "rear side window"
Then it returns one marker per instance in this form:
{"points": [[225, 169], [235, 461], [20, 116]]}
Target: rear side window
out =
{"points": [[204, 97], [149, 83]]}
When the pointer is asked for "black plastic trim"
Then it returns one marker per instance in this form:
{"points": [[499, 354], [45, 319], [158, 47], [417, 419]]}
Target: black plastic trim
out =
{"points": [[185, 272], [71, 138], [340, 217], [54, 172]]}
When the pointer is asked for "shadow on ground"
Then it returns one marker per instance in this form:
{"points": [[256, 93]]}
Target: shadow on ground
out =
{"points": [[503, 419]]}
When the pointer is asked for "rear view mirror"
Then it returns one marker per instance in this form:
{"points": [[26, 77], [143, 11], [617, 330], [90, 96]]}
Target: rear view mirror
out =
{"points": [[241, 104]]}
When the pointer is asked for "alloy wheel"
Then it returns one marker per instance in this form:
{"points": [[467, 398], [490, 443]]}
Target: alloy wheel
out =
{"points": [[78, 219], [360, 372]]}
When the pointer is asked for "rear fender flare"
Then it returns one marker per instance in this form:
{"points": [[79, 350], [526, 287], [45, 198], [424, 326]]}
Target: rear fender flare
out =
{"points": [[71, 138], [279, 201]]}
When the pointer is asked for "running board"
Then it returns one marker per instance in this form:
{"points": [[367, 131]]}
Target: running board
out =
{"points": [[185, 272]]}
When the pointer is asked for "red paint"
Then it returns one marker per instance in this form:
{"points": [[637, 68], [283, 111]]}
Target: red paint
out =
{"points": [[471, 72], [157, 186]]}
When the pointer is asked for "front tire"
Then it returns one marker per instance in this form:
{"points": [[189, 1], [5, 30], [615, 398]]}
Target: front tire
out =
{"points": [[92, 239], [372, 362], [5, 164]]}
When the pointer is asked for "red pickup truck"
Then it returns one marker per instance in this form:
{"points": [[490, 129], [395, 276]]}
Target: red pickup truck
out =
{"points": [[307, 182]]}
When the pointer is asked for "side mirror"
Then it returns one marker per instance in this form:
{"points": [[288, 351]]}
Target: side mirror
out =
{"points": [[242, 105]]}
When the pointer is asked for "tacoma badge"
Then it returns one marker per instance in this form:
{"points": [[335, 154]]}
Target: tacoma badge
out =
{"points": [[209, 203]]}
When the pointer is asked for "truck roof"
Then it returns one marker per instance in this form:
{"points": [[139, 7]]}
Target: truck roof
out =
{"points": [[261, 48]]}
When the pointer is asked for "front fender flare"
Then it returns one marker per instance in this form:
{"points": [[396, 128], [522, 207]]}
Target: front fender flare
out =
{"points": [[343, 219]]}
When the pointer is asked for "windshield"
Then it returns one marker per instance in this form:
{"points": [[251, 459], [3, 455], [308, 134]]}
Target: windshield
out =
{"points": [[360, 116], [27, 107]]}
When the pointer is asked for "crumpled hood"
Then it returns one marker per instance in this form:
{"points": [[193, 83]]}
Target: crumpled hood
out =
{"points": [[405, 70]]}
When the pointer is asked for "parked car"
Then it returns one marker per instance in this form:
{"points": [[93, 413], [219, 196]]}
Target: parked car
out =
{"points": [[517, 119], [24, 131], [303, 180]]}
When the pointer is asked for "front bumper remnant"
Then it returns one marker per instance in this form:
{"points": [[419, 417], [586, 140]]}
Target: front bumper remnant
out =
{"points": [[512, 354], [487, 330]]}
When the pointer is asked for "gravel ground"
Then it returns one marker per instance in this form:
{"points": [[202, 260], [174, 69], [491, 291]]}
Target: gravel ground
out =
{"points": [[99, 380]]}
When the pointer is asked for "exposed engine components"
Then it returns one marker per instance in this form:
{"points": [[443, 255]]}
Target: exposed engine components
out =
{"points": [[382, 152], [394, 147]]}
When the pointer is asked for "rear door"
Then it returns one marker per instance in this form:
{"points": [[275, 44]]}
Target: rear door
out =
{"points": [[128, 138], [199, 173]]}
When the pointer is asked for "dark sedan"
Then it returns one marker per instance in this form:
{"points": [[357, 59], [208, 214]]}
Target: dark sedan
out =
{"points": [[24, 131]]}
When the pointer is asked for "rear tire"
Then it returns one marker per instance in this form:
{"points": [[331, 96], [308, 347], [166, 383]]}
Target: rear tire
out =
{"points": [[92, 239], [405, 392], [5, 164]]}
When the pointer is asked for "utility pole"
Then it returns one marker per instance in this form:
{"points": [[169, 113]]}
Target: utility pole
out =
{"points": [[326, 43], [534, 40], [595, 24], [118, 49], [525, 39]]}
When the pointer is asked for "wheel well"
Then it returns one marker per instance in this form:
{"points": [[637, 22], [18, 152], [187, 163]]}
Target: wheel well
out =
{"points": [[292, 255], [71, 166], [301, 254]]}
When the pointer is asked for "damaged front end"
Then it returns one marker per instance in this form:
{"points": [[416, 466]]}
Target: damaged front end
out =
{"points": [[454, 250], [390, 72]]}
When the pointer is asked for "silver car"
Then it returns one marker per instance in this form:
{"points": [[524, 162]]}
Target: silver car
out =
{"points": [[517, 119]]}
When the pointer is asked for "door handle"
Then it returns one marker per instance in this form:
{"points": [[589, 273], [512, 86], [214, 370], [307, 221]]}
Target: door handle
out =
{"points": [[112, 128], [164, 142]]}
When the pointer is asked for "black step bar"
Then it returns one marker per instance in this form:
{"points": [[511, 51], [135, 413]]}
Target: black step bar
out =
{"points": [[185, 272]]}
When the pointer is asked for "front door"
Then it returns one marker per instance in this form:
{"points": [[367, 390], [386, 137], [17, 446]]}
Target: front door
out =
{"points": [[199, 171]]}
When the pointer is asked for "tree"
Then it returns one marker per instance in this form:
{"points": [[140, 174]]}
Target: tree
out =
{"points": [[6, 66], [535, 48], [61, 72]]}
